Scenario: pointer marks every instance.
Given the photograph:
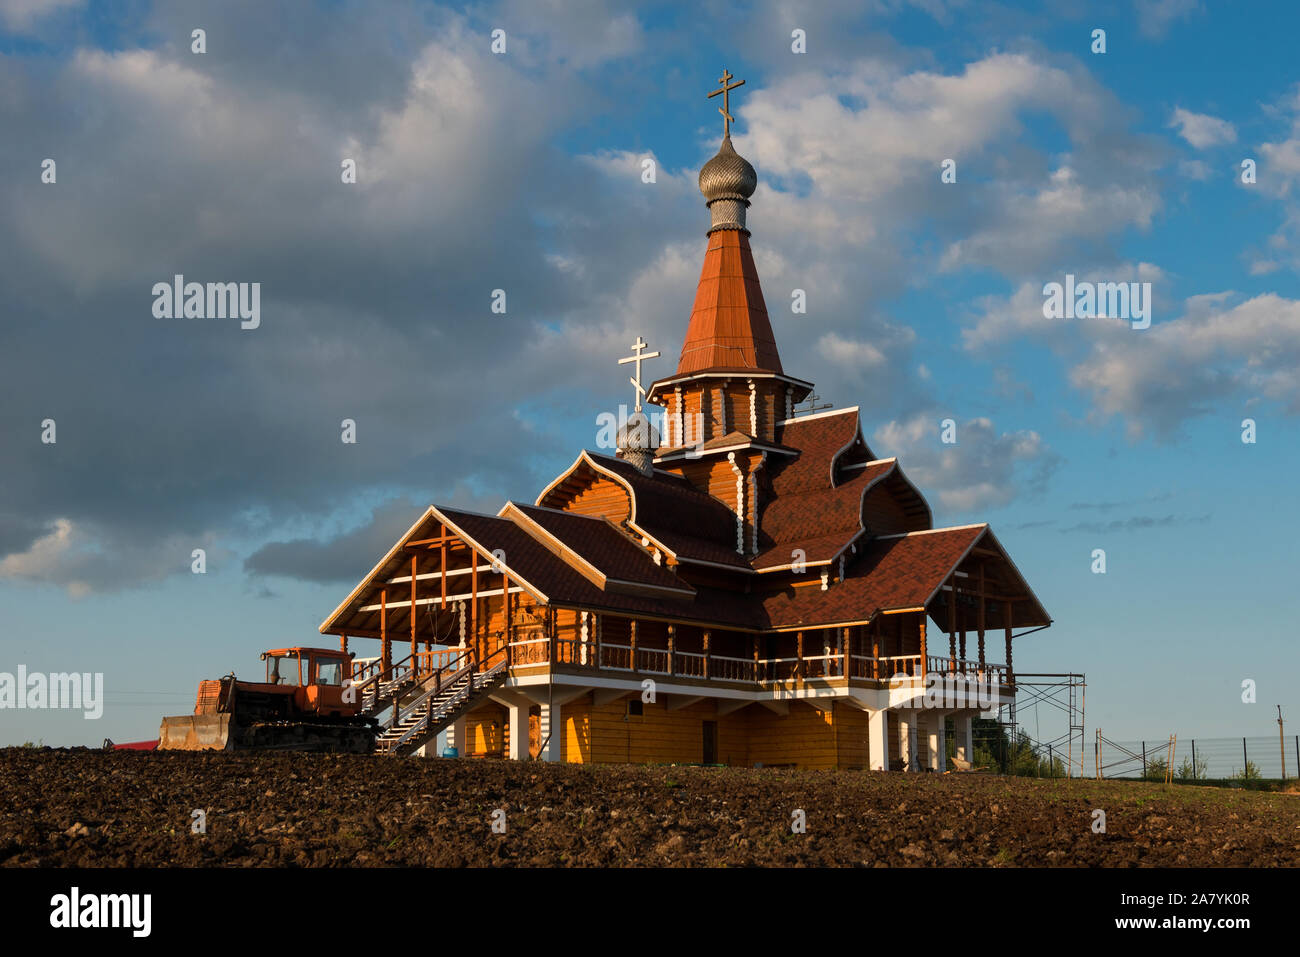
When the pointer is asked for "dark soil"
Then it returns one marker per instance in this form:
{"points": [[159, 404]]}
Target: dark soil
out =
{"points": [[130, 809]]}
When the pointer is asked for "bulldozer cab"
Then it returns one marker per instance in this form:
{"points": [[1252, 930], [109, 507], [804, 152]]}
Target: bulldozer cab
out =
{"points": [[284, 668], [318, 674], [300, 667]]}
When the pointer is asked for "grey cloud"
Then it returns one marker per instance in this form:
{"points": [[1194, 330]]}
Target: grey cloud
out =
{"points": [[345, 558], [1136, 523]]}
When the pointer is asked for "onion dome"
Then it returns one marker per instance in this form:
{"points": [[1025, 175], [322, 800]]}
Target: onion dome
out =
{"points": [[637, 440], [727, 181]]}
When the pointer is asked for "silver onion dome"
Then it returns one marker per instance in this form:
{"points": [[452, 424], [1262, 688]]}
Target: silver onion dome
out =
{"points": [[637, 440], [727, 181]]}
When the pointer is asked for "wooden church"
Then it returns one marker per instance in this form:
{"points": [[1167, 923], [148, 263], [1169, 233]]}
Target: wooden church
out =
{"points": [[755, 587]]}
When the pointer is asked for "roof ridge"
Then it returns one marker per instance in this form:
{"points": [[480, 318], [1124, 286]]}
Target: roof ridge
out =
{"points": [[931, 531], [818, 415], [556, 511], [465, 511]]}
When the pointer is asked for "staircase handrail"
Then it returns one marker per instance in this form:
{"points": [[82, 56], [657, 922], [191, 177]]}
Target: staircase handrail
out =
{"points": [[435, 682]]}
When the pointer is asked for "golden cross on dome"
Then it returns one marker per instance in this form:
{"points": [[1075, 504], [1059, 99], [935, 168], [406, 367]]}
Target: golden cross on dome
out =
{"points": [[638, 357], [725, 108]]}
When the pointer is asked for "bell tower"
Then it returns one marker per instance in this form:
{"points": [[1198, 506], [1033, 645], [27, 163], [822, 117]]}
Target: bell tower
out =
{"points": [[729, 380]]}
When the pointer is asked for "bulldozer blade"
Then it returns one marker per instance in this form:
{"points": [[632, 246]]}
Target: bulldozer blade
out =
{"points": [[195, 732]]}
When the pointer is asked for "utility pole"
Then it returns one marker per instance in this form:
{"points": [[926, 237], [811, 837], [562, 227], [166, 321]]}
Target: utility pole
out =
{"points": [[1281, 741]]}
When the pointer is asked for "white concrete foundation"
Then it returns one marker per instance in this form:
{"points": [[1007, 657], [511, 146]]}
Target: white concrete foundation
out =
{"points": [[963, 729], [551, 725], [456, 736], [878, 740], [517, 732]]}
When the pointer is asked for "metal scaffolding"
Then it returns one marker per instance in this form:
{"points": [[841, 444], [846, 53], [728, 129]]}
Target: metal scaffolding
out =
{"points": [[1067, 695]]}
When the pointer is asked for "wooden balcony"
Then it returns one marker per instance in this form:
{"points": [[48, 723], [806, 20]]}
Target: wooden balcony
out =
{"points": [[573, 656]]}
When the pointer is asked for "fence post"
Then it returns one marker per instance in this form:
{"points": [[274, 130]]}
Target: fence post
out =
{"points": [[1281, 741], [1244, 759], [1144, 760], [1051, 763], [1193, 759]]}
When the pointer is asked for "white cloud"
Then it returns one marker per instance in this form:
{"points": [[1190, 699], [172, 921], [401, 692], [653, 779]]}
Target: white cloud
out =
{"points": [[1212, 359], [851, 158], [1156, 16], [1202, 130], [983, 468], [1029, 224], [19, 15], [1020, 316]]}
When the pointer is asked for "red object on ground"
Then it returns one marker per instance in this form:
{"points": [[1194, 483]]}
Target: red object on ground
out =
{"points": [[137, 746]]}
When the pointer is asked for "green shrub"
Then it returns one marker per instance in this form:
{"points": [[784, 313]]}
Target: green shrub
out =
{"points": [[1155, 770], [1249, 773]]}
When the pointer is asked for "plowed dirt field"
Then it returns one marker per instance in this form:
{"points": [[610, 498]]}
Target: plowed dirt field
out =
{"points": [[131, 809]]}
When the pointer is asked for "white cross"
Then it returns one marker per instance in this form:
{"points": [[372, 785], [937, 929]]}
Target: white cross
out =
{"points": [[638, 357]]}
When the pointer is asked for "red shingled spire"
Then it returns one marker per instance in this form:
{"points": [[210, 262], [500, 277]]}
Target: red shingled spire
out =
{"points": [[729, 328]]}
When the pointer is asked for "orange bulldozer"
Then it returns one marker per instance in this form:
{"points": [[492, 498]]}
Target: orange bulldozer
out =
{"points": [[306, 704]]}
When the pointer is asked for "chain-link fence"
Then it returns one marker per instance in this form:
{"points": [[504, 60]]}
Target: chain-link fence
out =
{"points": [[1268, 757], [1264, 756]]}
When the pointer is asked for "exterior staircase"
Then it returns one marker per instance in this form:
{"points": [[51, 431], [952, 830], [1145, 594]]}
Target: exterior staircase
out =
{"points": [[420, 706]]}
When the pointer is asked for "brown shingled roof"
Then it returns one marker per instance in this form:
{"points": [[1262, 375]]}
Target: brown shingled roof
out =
{"points": [[693, 524], [563, 585], [817, 550], [890, 573], [819, 438], [793, 515], [601, 545]]}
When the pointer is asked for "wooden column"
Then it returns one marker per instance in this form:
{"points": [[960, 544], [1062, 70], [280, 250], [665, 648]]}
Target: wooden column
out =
{"points": [[343, 643], [983, 605], [757, 639], [707, 634], [1006, 613], [443, 605], [672, 635], [385, 652], [924, 663], [550, 636], [595, 623], [798, 667], [875, 654], [509, 629], [471, 636], [962, 646], [414, 620], [952, 623], [846, 652], [631, 632]]}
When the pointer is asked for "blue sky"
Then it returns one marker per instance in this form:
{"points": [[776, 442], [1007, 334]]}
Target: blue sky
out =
{"points": [[522, 171]]}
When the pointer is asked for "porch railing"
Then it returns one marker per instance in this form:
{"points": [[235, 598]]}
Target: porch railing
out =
{"points": [[945, 665], [608, 656]]}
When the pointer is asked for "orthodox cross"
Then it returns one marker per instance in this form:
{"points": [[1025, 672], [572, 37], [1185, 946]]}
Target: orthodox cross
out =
{"points": [[724, 109], [638, 357], [812, 401]]}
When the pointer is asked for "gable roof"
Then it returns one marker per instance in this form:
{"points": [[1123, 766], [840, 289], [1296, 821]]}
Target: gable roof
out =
{"points": [[688, 524], [820, 439], [897, 573], [598, 547]]}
